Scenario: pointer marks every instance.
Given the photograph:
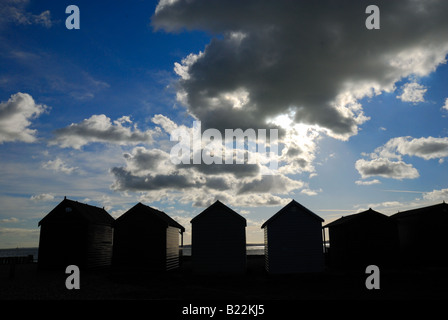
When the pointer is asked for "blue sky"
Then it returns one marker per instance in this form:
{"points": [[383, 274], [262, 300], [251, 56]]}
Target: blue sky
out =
{"points": [[88, 113]]}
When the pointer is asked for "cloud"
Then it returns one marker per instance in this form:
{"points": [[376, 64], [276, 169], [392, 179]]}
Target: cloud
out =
{"points": [[10, 237], [426, 148], [310, 192], [15, 118], [445, 106], [265, 63], [383, 163], [58, 165], [42, 197], [10, 220], [386, 168], [99, 128], [270, 184], [151, 172], [436, 195], [166, 123], [14, 11], [367, 183], [413, 92]]}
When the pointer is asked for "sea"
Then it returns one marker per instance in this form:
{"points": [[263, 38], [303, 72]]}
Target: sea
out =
{"points": [[251, 249]]}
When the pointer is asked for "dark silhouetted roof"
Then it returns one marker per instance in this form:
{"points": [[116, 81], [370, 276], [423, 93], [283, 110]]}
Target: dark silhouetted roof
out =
{"points": [[87, 212], [218, 205], [287, 207], [162, 216], [437, 208], [355, 217]]}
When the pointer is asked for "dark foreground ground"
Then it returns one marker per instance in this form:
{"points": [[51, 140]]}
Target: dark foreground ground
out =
{"points": [[255, 285]]}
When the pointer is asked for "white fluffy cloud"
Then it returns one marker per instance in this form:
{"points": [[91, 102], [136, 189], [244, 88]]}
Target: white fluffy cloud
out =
{"points": [[58, 165], [386, 168], [426, 148], [42, 197], [367, 183], [387, 159], [436, 195], [266, 63], [413, 92], [445, 106], [15, 118], [100, 128]]}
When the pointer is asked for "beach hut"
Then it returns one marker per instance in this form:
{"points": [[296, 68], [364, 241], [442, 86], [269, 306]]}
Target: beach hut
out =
{"points": [[293, 240], [218, 241], [75, 233], [422, 235], [362, 239], [147, 238]]}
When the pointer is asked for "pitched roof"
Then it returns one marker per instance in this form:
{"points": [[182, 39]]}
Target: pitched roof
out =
{"points": [[162, 216], [286, 208], [87, 212], [437, 208], [218, 204], [355, 217]]}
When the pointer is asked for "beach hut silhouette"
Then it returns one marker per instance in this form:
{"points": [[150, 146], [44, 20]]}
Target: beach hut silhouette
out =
{"points": [[218, 241], [293, 240], [362, 239], [75, 233], [422, 235], [147, 238]]}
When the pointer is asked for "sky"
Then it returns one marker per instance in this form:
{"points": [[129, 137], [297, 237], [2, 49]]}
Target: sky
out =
{"points": [[361, 114]]}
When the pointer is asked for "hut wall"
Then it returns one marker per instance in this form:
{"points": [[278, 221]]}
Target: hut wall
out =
{"points": [[422, 240], [219, 243], [266, 247], [139, 244], [74, 233], [364, 242], [172, 248], [294, 243], [62, 244], [99, 246]]}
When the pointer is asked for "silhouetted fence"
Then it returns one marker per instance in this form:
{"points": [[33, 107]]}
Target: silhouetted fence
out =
{"points": [[16, 260], [13, 261]]}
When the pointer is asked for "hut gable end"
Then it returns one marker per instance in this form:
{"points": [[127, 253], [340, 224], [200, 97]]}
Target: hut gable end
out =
{"points": [[74, 210], [293, 240], [219, 240], [292, 207], [147, 238], [368, 237], [219, 209], [75, 233]]}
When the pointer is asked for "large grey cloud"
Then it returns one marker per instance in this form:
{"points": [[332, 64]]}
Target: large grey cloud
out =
{"points": [[151, 172], [314, 60]]}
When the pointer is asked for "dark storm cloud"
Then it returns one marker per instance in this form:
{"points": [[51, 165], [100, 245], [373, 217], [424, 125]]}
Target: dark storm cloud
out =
{"points": [[315, 59]]}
